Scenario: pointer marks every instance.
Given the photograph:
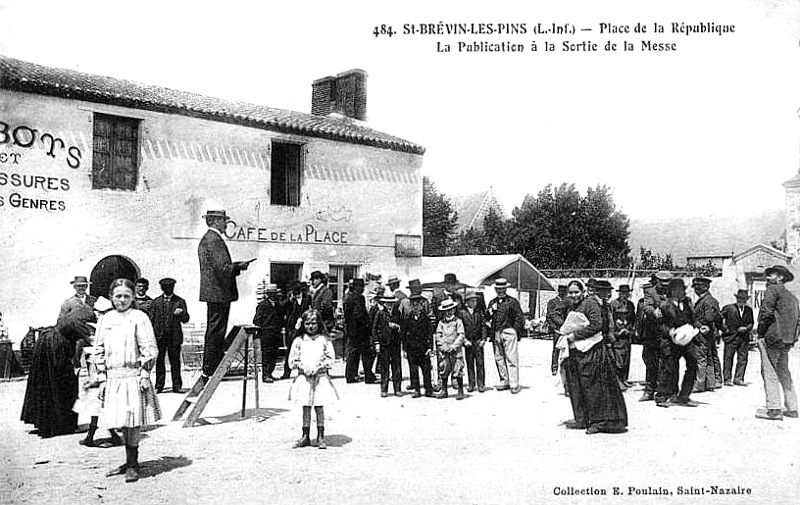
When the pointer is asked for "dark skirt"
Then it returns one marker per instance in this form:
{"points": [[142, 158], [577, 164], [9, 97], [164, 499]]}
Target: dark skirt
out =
{"points": [[52, 386], [594, 390]]}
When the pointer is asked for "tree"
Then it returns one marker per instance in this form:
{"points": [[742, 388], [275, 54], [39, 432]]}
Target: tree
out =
{"points": [[650, 261], [495, 233], [438, 221], [560, 229]]}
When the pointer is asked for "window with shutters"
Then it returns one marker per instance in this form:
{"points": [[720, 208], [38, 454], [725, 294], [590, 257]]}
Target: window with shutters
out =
{"points": [[285, 174], [115, 159]]}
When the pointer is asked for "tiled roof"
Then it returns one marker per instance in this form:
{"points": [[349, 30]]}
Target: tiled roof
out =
{"points": [[472, 209], [32, 78]]}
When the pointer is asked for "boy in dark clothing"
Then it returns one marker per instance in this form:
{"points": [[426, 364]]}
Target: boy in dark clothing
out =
{"points": [[270, 318], [386, 337], [475, 337], [417, 340]]}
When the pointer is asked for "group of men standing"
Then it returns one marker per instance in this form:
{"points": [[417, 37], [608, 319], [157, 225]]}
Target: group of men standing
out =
{"points": [[278, 317], [669, 326], [166, 312], [368, 338]]}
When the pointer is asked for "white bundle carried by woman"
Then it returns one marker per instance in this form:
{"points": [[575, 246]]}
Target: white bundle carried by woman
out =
{"points": [[683, 334], [575, 321]]}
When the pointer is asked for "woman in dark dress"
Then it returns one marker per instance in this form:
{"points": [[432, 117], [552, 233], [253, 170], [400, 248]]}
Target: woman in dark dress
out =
{"points": [[52, 383], [597, 401]]}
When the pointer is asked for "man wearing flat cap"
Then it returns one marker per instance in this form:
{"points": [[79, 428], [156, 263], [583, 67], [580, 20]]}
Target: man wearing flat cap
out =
{"points": [[623, 315], [737, 324], [168, 312], [778, 321], [708, 318], [654, 297], [217, 287]]}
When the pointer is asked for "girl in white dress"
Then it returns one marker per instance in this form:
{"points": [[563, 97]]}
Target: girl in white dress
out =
{"points": [[125, 351], [312, 356]]}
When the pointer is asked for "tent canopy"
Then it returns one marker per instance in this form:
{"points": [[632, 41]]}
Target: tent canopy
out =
{"points": [[481, 270]]}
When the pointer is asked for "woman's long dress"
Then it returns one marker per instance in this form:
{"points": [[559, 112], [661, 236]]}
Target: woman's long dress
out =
{"points": [[52, 383], [594, 390]]}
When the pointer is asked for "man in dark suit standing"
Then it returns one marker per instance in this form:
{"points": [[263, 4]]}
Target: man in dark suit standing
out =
{"points": [[557, 310], [778, 322], [217, 287], [708, 318], [738, 323], [167, 312], [356, 320]]}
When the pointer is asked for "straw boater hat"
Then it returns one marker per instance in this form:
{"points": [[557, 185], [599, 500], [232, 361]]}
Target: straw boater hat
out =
{"points": [[392, 280], [500, 283], [387, 299], [216, 213], [271, 288], [782, 271], [447, 304], [470, 295], [80, 279], [663, 275]]}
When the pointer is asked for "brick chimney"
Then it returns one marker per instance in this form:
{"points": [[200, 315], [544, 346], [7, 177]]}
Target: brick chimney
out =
{"points": [[344, 94]]}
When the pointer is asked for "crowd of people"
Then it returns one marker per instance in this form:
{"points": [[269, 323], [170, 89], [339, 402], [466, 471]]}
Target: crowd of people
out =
{"points": [[440, 336], [119, 347], [669, 326]]}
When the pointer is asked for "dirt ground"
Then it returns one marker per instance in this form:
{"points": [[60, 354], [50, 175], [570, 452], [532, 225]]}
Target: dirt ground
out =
{"points": [[491, 448]]}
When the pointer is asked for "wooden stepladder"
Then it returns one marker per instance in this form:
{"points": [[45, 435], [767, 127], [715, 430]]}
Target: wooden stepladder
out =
{"points": [[238, 341]]}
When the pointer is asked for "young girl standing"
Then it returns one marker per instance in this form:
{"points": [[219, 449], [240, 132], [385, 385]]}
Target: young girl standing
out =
{"points": [[312, 356], [125, 351]]}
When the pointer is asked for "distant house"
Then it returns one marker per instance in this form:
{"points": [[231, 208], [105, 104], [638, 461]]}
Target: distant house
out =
{"points": [[713, 237], [472, 209], [702, 260]]}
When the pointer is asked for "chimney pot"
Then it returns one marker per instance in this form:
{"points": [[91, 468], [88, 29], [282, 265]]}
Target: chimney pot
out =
{"points": [[345, 94]]}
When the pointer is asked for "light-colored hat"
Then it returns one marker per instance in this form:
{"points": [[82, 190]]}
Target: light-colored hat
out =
{"points": [[271, 288], [470, 295], [448, 304], [500, 283], [216, 213], [392, 279], [80, 279], [388, 299], [664, 275]]}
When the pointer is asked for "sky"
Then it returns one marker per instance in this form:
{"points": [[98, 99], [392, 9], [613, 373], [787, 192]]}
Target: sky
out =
{"points": [[714, 124]]}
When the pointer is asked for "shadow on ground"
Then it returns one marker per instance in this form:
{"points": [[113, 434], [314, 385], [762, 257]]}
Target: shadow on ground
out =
{"points": [[163, 465], [258, 414], [337, 440]]}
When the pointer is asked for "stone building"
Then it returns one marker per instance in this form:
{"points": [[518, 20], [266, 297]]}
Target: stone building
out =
{"points": [[106, 177]]}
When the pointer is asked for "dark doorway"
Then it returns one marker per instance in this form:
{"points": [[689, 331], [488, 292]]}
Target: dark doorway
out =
{"points": [[108, 269], [283, 274]]}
